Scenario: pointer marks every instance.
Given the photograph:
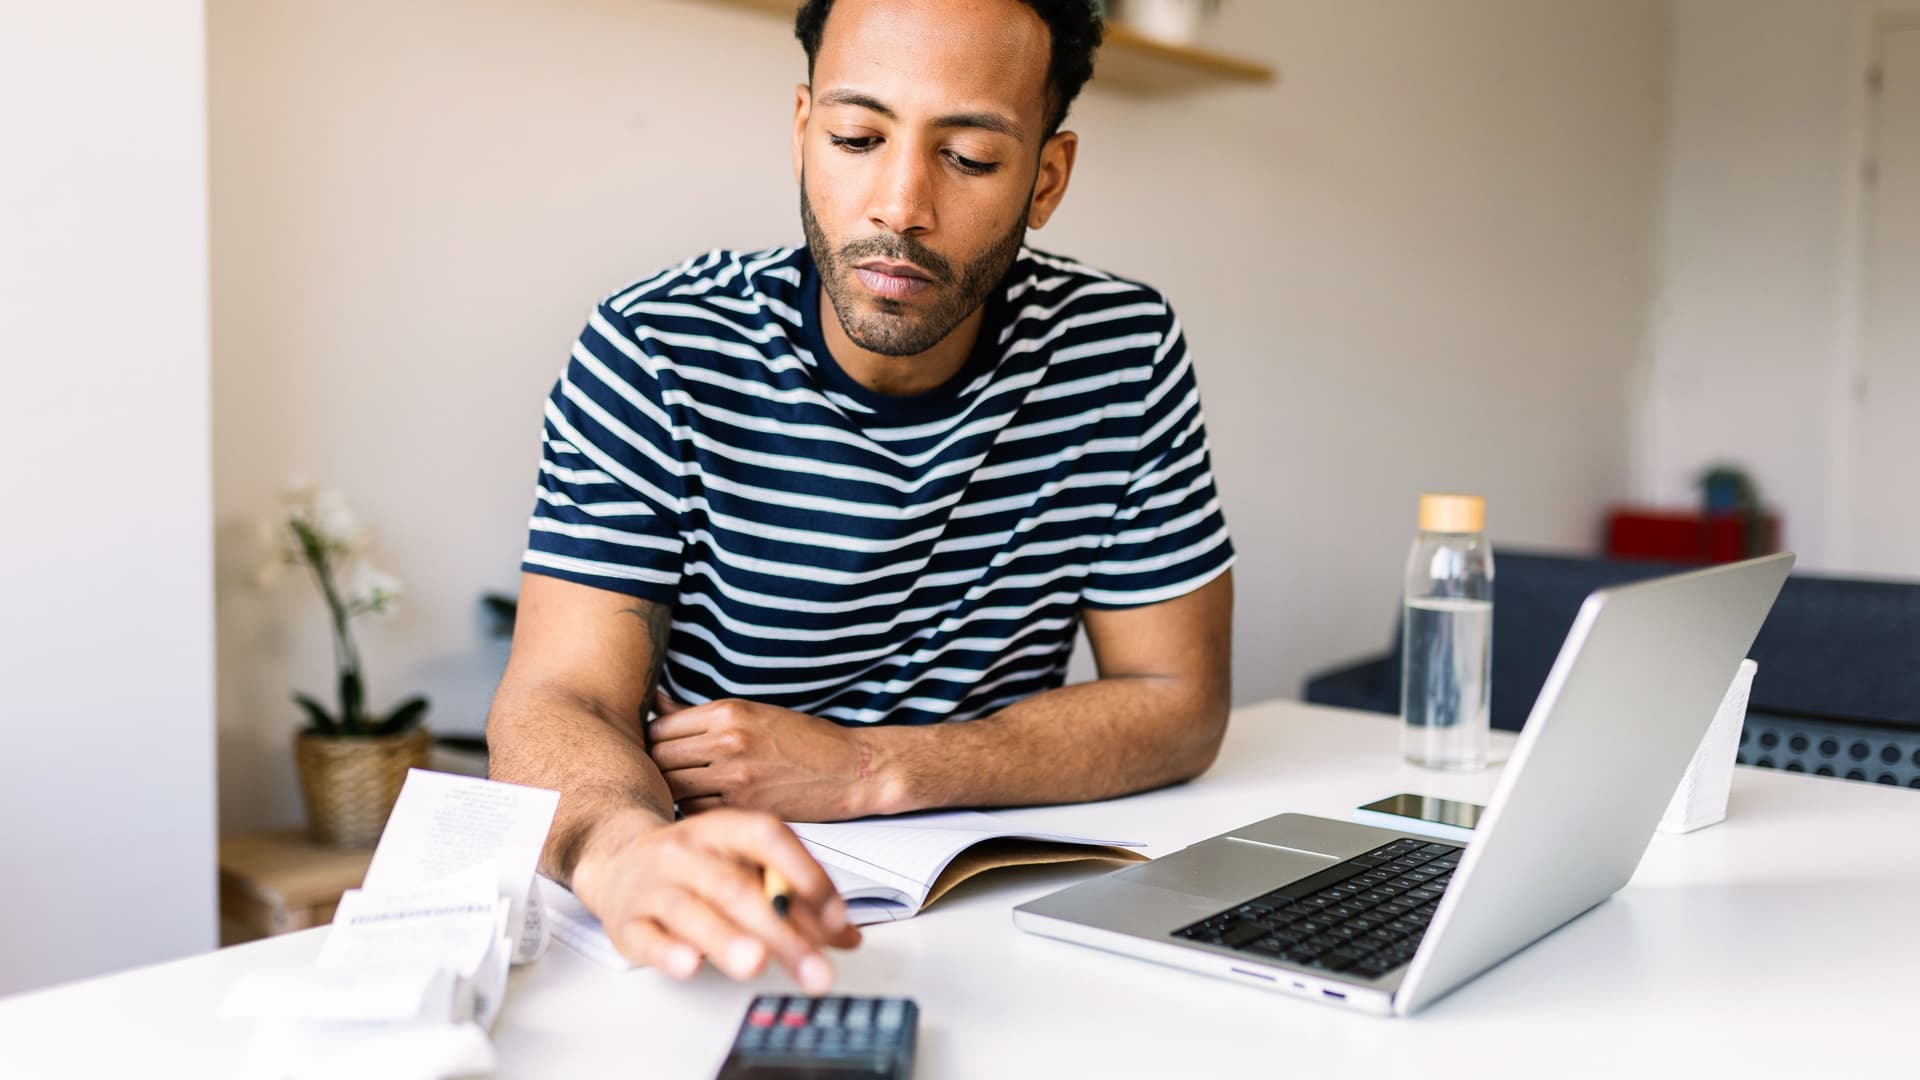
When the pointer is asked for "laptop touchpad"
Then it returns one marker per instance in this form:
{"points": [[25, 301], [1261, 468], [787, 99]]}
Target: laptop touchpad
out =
{"points": [[1227, 869]]}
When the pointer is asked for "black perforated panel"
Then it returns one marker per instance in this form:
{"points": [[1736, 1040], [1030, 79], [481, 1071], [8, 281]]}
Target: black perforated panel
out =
{"points": [[1851, 751]]}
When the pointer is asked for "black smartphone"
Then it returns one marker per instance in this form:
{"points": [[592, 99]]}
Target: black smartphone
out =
{"points": [[1423, 814]]}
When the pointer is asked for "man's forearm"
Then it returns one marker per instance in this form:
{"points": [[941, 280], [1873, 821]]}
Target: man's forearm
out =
{"points": [[548, 737], [1092, 740]]}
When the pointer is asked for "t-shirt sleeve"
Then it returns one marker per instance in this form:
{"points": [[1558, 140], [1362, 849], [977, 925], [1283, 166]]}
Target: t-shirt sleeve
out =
{"points": [[610, 500], [1168, 536]]}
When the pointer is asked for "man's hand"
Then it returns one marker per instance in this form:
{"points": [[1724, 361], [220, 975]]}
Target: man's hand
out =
{"points": [[669, 895], [748, 756]]}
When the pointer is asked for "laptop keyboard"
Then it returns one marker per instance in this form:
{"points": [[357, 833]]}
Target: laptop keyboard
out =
{"points": [[1363, 917]]}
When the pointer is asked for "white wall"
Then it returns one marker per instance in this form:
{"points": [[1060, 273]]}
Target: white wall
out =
{"points": [[1751, 344], [1421, 261], [106, 632]]}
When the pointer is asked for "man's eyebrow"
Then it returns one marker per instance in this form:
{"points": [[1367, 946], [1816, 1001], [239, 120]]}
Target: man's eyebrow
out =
{"points": [[985, 121], [858, 100]]}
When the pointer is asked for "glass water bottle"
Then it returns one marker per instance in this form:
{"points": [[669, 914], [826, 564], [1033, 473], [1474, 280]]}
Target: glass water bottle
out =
{"points": [[1447, 636]]}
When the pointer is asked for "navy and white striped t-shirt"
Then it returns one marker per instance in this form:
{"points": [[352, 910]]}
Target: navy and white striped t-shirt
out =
{"points": [[864, 557]]}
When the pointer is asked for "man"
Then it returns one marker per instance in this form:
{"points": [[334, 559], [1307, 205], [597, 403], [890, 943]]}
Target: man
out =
{"points": [[815, 506]]}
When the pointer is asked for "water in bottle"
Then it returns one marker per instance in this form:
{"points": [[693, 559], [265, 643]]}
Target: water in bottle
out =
{"points": [[1447, 634]]}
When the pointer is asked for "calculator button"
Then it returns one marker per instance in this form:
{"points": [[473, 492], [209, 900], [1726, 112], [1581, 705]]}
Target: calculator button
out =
{"points": [[859, 1014], [827, 1013], [892, 1013]]}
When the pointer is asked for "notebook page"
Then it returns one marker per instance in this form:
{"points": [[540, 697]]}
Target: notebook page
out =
{"points": [[868, 912], [904, 853], [855, 880], [910, 851]]}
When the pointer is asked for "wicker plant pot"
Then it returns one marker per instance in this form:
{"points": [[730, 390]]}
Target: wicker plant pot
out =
{"points": [[350, 782]]}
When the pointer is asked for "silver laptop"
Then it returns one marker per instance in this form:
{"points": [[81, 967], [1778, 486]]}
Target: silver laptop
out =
{"points": [[1390, 922]]}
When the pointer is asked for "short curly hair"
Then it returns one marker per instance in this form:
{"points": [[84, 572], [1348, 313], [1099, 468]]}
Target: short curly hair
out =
{"points": [[1074, 27]]}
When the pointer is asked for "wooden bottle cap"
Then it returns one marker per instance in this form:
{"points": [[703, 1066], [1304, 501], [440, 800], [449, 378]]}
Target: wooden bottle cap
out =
{"points": [[1453, 513]]}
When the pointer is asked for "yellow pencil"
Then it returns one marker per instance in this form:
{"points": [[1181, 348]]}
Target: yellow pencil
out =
{"points": [[778, 892]]}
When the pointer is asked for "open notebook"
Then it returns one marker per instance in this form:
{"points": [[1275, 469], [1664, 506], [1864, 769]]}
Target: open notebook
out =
{"points": [[886, 868]]}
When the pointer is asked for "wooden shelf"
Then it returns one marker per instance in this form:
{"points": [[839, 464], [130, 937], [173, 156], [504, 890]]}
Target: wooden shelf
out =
{"points": [[278, 882], [1130, 62], [1141, 65]]}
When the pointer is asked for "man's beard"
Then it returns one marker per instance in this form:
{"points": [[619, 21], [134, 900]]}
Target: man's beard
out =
{"points": [[893, 330]]}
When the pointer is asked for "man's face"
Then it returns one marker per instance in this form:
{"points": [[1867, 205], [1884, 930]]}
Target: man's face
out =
{"points": [[921, 167]]}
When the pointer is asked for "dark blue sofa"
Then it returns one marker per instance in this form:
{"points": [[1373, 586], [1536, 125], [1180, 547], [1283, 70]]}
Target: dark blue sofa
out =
{"points": [[1837, 693]]}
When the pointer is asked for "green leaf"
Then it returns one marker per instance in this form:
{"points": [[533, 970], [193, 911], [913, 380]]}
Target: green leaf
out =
{"points": [[321, 723], [352, 702], [503, 610], [404, 717]]}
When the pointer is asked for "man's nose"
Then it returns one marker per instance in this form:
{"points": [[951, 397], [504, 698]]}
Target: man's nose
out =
{"points": [[902, 199]]}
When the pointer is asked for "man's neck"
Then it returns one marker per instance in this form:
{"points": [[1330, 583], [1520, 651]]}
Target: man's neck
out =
{"points": [[899, 376]]}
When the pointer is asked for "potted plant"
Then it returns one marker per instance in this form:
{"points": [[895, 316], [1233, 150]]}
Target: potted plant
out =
{"points": [[1728, 490], [352, 761]]}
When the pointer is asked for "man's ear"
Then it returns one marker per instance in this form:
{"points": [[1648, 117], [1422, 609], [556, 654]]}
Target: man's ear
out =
{"points": [[802, 107], [1050, 186]]}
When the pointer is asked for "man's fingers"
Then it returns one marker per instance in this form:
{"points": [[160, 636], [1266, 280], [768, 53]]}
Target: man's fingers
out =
{"points": [[701, 805], [687, 752], [737, 891], [812, 927], [688, 784], [762, 839], [642, 941], [664, 705], [681, 723], [688, 914]]}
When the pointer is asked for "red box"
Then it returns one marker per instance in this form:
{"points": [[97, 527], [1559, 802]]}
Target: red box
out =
{"points": [[1680, 536]]}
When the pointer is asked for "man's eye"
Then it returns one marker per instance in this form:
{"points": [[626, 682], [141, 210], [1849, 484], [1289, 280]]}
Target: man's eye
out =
{"points": [[855, 143], [968, 165]]}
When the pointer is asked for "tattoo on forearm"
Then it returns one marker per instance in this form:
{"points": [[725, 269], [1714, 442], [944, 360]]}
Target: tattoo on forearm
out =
{"points": [[658, 619]]}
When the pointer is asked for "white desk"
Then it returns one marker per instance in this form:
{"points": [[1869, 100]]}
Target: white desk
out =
{"points": [[1786, 940]]}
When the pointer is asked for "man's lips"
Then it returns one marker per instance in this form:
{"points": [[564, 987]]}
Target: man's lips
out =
{"points": [[890, 279]]}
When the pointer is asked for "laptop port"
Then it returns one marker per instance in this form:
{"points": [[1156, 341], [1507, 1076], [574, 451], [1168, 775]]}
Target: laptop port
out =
{"points": [[1335, 994]]}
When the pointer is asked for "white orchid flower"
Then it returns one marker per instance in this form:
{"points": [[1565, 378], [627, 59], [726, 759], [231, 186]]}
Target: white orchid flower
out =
{"points": [[373, 591], [335, 521]]}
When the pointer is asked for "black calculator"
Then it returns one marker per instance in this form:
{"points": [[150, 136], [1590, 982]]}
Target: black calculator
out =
{"points": [[787, 1037]]}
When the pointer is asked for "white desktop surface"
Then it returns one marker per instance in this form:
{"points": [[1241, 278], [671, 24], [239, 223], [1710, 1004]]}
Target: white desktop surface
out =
{"points": [[1785, 940]]}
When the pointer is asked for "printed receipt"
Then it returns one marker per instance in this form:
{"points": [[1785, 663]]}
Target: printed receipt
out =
{"points": [[414, 966], [445, 826]]}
